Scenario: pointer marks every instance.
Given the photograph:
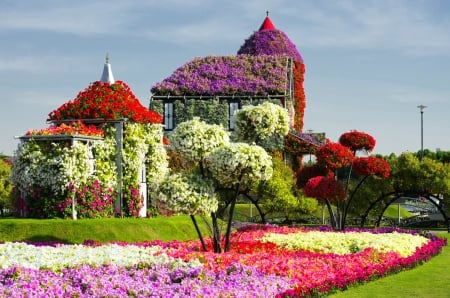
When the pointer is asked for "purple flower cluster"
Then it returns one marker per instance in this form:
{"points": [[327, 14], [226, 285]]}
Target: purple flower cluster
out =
{"points": [[227, 75], [142, 280], [270, 42]]}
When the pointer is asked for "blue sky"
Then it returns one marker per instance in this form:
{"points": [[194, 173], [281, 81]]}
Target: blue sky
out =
{"points": [[369, 64]]}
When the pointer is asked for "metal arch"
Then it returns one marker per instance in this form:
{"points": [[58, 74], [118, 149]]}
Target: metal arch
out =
{"points": [[397, 195]]}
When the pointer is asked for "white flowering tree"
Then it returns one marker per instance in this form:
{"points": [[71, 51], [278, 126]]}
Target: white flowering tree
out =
{"points": [[194, 140], [256, 123], [238, 166], [228, 165]]}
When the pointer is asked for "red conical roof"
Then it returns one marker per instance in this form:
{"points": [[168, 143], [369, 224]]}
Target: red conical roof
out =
{"points": [[267, 24]]}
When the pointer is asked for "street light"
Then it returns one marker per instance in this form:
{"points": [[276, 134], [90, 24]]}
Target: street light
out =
{"points": [[421, 108]]}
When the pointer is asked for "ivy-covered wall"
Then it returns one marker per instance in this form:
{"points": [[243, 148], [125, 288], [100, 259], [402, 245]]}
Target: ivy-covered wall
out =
{"points": [[212, 111]]}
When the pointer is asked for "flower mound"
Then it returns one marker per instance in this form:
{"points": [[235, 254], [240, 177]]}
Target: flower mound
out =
{"points": [[265, 261]]}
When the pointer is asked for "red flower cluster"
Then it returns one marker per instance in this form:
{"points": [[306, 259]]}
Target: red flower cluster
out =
{"points": [[356, 140], [322, 188], [306, 173], [334, 155], [371, 165], [106, 101], [73, 128]]}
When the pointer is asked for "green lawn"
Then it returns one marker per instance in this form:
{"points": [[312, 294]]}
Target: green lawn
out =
{"points": [[108, 229]]}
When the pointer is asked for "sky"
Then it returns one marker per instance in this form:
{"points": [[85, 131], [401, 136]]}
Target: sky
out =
{"points": [[369, 64]]}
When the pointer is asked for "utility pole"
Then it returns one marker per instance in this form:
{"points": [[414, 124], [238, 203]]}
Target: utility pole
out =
{"points": [[421, 108]]}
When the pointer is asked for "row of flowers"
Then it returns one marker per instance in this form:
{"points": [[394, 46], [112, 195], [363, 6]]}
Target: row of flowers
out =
{"points": [[265, 261]]}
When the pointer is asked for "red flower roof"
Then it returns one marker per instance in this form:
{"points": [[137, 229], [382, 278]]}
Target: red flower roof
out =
{"points": [[105, 101]]}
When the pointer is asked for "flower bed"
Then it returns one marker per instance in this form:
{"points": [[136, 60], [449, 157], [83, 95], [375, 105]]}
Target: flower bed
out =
{"points": [[265, 261]]}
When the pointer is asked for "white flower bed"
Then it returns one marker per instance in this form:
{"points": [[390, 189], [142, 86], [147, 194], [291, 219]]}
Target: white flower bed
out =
{"points": [[350, 242]]}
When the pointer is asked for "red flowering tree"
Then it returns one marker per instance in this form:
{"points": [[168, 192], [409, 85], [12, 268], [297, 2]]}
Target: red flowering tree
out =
{"points": [[334, 156], [321, 181], [325, 188], [308, 172], [371, 166], [357, 140]]}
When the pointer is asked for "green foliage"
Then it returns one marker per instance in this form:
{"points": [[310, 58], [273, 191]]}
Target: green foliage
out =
{"points": [[211, 111], [5, 185], [279, 194], [411, 173]]}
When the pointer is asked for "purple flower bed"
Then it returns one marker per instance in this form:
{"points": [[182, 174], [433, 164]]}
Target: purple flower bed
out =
{"points": [[142, 280]]}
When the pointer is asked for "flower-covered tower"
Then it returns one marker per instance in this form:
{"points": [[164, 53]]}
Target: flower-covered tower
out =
{"points": [[270, 41]]}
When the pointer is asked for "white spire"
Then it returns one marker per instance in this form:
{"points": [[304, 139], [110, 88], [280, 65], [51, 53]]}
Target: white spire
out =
{"points": [[107, 75]]}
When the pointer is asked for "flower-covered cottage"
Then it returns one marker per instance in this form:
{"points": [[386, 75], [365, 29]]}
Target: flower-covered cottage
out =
{"points": [[98, 158], [267, 67]]}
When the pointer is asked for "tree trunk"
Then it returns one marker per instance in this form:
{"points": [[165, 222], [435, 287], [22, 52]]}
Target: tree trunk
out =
{"points": [[198, 233]]}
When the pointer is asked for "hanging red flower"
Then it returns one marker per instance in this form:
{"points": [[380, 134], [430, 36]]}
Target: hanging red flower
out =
{"points": [[299, 94], [306, 173], [356, 140], [334, 156], [323, 188], [371, 165], [106, 101]]}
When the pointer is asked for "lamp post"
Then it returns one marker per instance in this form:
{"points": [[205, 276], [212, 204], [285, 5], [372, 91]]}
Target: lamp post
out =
{"points": [[421, 108]]}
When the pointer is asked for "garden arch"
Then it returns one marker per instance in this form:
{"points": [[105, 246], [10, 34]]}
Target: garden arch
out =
{"points": [[398, 195]]}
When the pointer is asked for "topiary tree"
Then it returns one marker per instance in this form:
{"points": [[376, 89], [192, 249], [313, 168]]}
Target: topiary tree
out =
{"points": [[325, 184]]}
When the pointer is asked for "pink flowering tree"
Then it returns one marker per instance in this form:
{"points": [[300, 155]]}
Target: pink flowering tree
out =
{"points": [[322, 182]]}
